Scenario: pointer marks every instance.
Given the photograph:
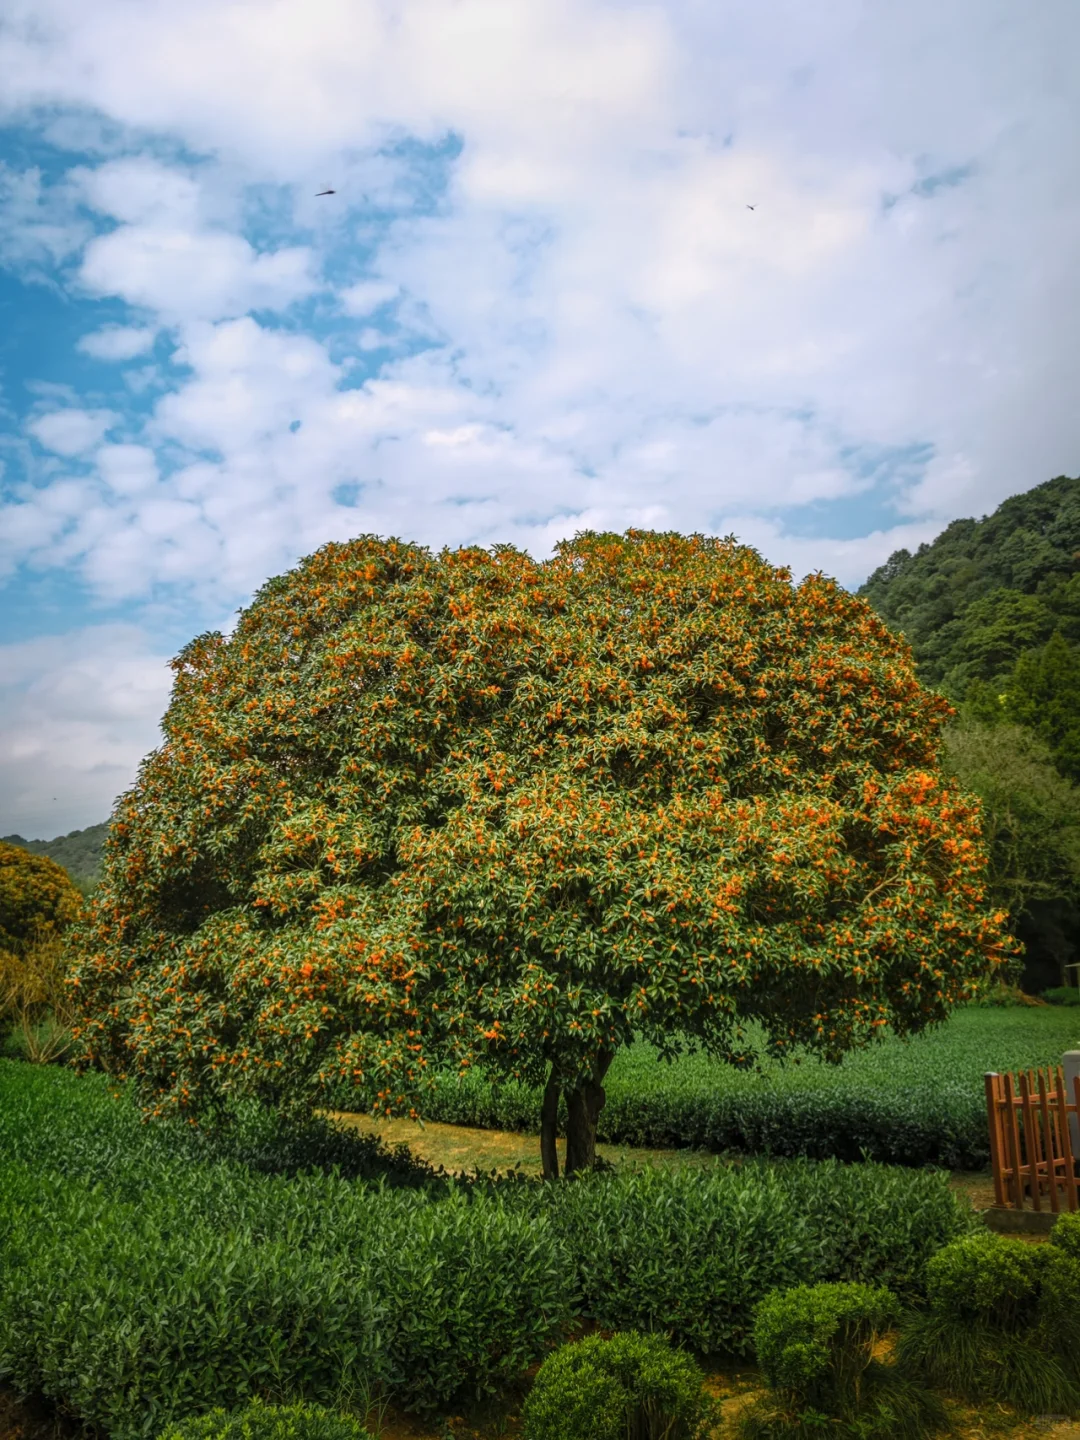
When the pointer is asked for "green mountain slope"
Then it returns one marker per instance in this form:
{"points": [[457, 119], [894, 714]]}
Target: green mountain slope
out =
{"points": [[79, 852], [987, 591], [992, 612]]}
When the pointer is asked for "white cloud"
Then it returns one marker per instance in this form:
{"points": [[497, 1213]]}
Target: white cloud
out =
{"points": [[127, 469], [185, 274], [140, 190], [117, 342], [570, 317], [39, 225], [361, 299], [81, 710], [71, 432]]}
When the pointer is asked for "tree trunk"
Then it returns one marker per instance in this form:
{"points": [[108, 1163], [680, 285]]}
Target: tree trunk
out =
{"points": [[583, 1106], [549, 1116]]}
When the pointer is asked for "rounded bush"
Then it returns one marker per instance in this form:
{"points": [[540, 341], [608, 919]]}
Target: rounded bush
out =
{"points": [[815, 1342], [815, 1345], [1003, 1323], [630, 1387], [985, 1277], [269, 1422], [37, 899]]}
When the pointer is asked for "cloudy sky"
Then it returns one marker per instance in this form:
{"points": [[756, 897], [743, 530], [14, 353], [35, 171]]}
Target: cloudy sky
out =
{"points": [[538, 302]]}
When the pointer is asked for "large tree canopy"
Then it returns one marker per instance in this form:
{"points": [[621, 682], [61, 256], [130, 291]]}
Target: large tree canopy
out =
{"points": [[521, 813]]}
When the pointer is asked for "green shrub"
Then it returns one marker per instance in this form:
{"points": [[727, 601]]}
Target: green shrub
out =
{"points": [[815, 1345], [912, 1103], [1066, 1234], [628, 1387], [259, 1421], [1002, 1323], [1062, 995], [218, 1285], [147, 1273]]}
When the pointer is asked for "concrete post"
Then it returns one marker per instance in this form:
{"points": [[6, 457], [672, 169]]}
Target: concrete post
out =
{"points": [[1070, 1065]]}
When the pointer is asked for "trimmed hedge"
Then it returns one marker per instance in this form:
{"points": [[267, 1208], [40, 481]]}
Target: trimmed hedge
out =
{"points": [[915, 1103], [145, 1275], [691, 1252], [1068, 995]]}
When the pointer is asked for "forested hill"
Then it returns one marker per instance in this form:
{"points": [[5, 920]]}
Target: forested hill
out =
{"points": [[79, 852], [992, 612], [985, 591]]}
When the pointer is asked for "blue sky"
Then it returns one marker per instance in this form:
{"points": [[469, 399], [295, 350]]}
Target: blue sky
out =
{"points": [[539, 301]]}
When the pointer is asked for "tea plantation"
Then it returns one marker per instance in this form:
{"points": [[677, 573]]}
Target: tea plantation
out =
{"points": [[148, 1273], [904, 1103]]}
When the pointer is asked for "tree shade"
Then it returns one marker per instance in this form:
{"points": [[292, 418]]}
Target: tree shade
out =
{"points": [[479, 809]]}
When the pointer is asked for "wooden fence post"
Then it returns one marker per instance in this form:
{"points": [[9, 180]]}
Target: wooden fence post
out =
{"points": [[992, 1081], [1070, 1065]]}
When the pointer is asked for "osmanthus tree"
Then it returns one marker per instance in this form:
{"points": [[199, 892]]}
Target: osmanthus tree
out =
{"points": [[476, 809]]}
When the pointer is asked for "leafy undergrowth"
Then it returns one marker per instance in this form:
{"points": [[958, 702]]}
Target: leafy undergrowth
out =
{"points": [[147, 1271]]}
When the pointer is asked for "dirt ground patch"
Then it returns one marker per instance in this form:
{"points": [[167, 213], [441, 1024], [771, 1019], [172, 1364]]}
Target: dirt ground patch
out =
{"points": [[462, 1149]]}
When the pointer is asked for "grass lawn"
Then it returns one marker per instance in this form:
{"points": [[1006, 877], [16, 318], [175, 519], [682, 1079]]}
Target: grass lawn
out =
{"points": [[464, 1148]]}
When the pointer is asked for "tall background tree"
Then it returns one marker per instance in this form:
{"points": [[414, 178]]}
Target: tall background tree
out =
{"points": [[480, 810], [992, 611]]}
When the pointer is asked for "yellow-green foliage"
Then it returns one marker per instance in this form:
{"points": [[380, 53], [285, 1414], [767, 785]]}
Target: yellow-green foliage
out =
{"points": [[37, 899], [259, 1421], [37, 904], [628, 1387]]}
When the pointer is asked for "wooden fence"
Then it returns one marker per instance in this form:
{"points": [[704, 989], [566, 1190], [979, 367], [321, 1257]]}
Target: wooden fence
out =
{"points": [[1033, 1150]]}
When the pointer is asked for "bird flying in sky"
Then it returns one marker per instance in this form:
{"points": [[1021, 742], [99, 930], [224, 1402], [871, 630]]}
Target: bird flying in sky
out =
{"points": [[751, 207], [324, 192]]}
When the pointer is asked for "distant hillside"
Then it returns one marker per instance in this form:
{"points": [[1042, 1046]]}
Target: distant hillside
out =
{"points": [[80, 852], [992, 611], [987, 591]]}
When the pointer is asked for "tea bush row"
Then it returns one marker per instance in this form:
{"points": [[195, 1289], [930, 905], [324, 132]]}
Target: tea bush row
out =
{"points": [[133, 1313], [144, 1275], [915, 1103]]}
